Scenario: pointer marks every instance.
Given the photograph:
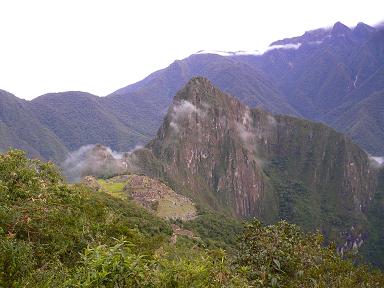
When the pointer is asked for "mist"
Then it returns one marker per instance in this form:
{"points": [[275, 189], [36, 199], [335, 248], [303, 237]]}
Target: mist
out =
{"points": [[182, 111], [97, 160], [377, 161]]}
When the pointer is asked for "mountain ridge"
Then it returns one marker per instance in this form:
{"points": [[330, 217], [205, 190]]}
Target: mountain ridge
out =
{"points": [[329, 74], [19, 127], [322, 79], [130, 116]]}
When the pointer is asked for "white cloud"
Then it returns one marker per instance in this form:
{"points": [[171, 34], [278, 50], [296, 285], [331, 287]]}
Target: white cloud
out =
{"points": [[378, 160], [183, 110], [318, 42], [229, 53], [255, 52], [286, 46], [248, 137], [97, 160]]}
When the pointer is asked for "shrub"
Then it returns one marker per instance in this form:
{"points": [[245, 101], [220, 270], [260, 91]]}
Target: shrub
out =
{"points": [[281, 255]]}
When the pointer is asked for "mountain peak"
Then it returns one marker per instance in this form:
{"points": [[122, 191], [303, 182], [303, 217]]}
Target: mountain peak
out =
{"points": [[205, 128], [363, 30], [5, 95], [199, 81], [362, 25], [199, 89], [307, 37], [340, 29], [195, 83]]}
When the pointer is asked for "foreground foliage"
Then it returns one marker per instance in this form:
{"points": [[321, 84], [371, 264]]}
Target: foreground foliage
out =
{"points": [[58, 235], [45, 223], [282, 255], [172, 266]]}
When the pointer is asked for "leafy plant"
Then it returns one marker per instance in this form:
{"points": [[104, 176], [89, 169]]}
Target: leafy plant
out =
{"points": [[45, 223], [282, 255]]}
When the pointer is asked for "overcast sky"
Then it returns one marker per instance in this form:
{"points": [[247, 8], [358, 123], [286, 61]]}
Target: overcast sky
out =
{"points": [[101, 46]]}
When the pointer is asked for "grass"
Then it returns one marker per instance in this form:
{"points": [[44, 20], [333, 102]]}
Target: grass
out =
{"points": [[115, 189]]}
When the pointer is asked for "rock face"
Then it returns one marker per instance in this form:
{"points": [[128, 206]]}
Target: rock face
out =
{"points": [[250, 163], [206, 140]]}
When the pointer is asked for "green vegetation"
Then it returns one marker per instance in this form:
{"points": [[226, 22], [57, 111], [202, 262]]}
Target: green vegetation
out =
{"points": [[171, 206], [363, 121], [113, 188], [45, 224], [57, 235], [216, 230], [308, 179], [20, 128], [373, 250], [281, 255], [182, 265], [78, 118]]}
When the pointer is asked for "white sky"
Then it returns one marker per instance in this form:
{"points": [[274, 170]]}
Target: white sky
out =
{"points": [[101, 46]]}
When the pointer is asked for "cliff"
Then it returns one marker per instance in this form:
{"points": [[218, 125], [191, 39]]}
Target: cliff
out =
{"points": [[247, 162]]}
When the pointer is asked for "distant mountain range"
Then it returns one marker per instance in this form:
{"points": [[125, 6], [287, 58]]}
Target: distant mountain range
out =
{"points": [[335, 76], [330, 75]]}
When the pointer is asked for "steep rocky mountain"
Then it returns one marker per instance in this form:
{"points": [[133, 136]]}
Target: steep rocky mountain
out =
{"points": [[144, 104], [20, 128], [248, 162], [327, 74], [131, 115]]}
